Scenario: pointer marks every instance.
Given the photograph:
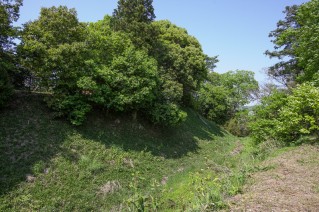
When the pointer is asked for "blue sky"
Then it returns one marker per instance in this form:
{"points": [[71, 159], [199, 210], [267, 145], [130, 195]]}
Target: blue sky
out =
{"points": [[235, 30]]}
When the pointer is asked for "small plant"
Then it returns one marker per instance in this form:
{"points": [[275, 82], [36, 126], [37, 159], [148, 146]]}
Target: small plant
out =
{"points": [[139, 201], [207, 192]]}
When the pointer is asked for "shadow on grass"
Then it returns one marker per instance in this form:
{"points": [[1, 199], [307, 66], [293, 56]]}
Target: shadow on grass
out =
{"points": [[140, 135], [30, 137]]}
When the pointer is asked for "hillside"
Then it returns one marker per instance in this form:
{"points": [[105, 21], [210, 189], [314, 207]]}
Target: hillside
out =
{"points": [[113, 162]]}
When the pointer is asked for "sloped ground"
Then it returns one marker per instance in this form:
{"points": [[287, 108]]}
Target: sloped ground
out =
{"points": [[108, 164], [289, 182]]}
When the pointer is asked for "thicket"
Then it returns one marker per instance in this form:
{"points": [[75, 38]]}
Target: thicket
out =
{"points": [[9, 12], [288, 117], [290, 114], [222, 96], [126, 62]]}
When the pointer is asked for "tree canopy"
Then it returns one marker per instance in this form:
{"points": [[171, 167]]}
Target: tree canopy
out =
{"points": [[223, 95], [291, 115], [181, 60], [9, 12], [128, 62], [296, 38], [106, 64], [134, 17]]}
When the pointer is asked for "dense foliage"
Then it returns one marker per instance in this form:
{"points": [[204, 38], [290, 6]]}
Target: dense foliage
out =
{"points": [[288, 118], [5, 87], [113, 66], [135, 17], [296, 38], [300, 115], [53, 48], [9, 12], [263, 123], [181, 60], [307, 41], [291, 114], [238, 125], [223, 95]]}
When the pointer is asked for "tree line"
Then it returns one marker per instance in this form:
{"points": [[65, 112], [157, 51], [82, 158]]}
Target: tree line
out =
{"points": [[127, 62], [131, 63], [290, 114]]}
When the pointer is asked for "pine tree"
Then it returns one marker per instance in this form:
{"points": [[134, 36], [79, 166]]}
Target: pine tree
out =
{"points": [[135, 17]]}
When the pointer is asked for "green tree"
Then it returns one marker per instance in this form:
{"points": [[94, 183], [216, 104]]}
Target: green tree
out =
{"points": [[53, 48], [223, 95], [181, 60], [243, 87], [306, 46], [214, 102], [135, 17], [9, 12], [287, 117], [296, 38], [124, 77], [265, 119], [127, 79], [300, 115], [49, 45], [130, 11], [285, 71]]}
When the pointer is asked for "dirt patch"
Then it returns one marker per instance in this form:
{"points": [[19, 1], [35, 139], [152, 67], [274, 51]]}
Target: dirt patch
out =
{"points": [[292, 184], [238, 149], [110, 187]]}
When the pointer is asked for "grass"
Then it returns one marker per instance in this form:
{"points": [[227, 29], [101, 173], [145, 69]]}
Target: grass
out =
{"points": [[115, 163], [316, 188]]}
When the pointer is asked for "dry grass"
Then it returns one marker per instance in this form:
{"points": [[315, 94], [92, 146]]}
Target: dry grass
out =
{"points": [[292, 185]]}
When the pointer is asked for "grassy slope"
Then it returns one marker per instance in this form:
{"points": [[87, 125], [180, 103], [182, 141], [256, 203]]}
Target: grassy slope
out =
{"points": [[67, 166]]}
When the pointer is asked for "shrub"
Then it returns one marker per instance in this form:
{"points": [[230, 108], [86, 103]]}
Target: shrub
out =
{"points": [[287, 118], [264, 121], [5, 88], [167, 114], [300, 116], [238, 125]]}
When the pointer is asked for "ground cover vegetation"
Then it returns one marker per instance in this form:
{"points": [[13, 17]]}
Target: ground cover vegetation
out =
{"points": [[112, 162], [127, 113]]}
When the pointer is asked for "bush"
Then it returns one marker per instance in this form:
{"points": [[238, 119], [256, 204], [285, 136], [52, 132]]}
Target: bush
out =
{"points": [[264, 121], [238, 125], [300, 116], [214, 103], [6, 89], [74, 107], [288, 118], [167, 114]]}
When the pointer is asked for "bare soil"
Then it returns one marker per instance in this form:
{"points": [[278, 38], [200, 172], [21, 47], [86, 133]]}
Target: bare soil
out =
{"points": [[288, 182]]}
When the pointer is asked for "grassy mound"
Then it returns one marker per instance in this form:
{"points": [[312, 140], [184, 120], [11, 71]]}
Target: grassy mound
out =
{"points": [[113, 162]]}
